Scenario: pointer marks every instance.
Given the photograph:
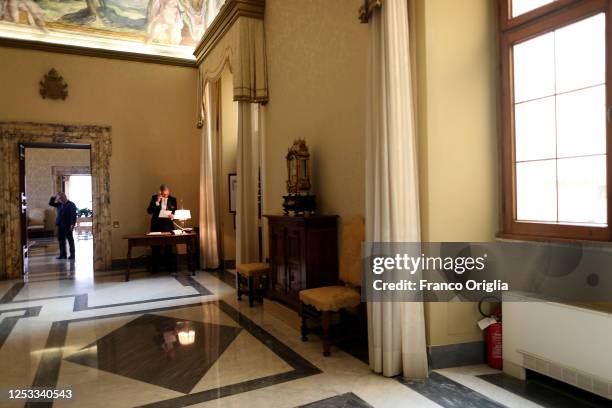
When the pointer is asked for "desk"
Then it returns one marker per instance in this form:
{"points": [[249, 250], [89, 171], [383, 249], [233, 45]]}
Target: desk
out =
{"points": [[188, 238]]}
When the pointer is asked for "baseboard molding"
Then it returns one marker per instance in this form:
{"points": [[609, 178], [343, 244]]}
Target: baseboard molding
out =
{"points": [[456, 355]]}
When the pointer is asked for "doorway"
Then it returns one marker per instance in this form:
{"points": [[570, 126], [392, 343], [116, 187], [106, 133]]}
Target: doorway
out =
{"points": [[227, 145], [49, 170], [12, 208]]}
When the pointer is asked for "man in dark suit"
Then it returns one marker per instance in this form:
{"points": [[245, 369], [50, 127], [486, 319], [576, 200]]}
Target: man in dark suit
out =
{"points": [[162, 208], [65, 222]]}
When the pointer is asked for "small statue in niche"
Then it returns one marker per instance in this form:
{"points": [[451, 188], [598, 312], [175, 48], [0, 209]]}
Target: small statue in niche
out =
{"points": [[299, 201], [53, 86]]}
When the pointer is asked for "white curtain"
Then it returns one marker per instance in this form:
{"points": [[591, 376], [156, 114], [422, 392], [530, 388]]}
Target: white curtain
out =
{"points": [[209, 194], [247, 169], [396, 331]]}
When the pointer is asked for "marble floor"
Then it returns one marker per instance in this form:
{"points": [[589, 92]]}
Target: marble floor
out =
{"points": [[163, 341], [42, 262]]}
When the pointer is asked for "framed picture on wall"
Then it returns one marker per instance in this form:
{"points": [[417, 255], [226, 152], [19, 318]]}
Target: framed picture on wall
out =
{"points": [[233, 191]]}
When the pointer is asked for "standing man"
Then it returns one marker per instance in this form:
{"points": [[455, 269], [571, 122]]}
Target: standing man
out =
{"points": [[65, 221], [162, 207]]}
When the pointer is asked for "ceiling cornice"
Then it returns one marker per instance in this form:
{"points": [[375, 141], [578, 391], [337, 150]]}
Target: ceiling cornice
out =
{"points": [[229, 13], [95, 52]]}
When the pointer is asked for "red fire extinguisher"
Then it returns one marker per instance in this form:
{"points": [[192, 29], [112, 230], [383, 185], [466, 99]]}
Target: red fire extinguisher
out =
{"points": [[493, 333]]}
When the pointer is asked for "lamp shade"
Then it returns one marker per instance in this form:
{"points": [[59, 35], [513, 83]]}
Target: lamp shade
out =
{"points": [[182, 215]]}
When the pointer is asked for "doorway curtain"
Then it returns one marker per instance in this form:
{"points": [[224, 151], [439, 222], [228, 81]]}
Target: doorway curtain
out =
{"points": [[210, 232], [247, 169], [396, 330], [242, 48]]}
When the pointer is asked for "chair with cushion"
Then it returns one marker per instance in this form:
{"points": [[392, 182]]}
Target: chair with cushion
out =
{"points": [[322, 303], [252, 278], [36, 221]]}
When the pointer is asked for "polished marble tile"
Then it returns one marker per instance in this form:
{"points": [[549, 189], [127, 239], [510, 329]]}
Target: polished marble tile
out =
{"points": [[151, 348], [450, 394], [42, 262], [348, 400], [469, 376], [547, 392], [76, 341], [246, 359]]}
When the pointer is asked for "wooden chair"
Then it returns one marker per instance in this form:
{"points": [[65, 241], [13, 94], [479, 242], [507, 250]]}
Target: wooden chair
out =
{"points": [[322, 303]]}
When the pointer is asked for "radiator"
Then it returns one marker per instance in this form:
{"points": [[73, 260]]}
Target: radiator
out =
{"points": [[569, 343]]}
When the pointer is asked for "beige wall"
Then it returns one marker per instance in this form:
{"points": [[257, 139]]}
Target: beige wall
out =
{"points": [[229, 141], [40, 184], [317, 68], [458, 159], [316, 54], [151, 109]]}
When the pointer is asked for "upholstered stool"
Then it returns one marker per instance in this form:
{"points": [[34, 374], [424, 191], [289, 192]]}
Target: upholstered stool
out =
{"points": [[250, 275]]}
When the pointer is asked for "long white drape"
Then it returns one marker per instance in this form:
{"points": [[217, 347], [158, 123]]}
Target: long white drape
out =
{"points": [[396, 331], [247, 169], [209, 208]]}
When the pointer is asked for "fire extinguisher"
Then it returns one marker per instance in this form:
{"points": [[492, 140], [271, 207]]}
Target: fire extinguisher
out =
{"points": [[492, 324]]}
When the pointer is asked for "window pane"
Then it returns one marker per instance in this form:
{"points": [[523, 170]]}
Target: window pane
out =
{"points": [[536, 194], [582, 190], [523, 6], [581, 122], [535, 129], [580, 51], [534, 68]]}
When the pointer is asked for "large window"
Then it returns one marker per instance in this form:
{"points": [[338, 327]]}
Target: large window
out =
{"points": [[554, 125]]}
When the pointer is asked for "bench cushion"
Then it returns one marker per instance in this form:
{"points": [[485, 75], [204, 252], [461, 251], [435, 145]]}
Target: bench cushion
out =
{"points": [[331, 298], [253, 269]]}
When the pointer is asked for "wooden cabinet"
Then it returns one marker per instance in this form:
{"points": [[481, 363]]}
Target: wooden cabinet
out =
{"points": [[303, 254]]}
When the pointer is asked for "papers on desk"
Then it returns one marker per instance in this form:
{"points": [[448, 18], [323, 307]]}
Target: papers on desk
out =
{"points": [[164, 213], [154, 233]]}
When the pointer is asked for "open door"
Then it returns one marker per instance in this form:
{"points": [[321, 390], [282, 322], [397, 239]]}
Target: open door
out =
{"points": [[23, 211]]}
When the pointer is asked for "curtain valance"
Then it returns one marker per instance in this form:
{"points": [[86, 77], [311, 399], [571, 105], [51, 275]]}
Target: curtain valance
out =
{"points": [[365, 11], [243, 48]]}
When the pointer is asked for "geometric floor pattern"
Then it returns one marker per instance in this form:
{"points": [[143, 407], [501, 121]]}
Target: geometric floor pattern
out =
{"points": [[158, 350]]}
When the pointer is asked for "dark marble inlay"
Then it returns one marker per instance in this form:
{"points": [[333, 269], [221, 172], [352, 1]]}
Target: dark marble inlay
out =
{"points": [[190, 281], [12, 292], [348, 400], [448, 393], [547, 392], [147, 349], [49, 366], [7, 324]]}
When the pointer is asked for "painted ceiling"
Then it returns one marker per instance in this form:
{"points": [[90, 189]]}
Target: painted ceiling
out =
{"points": [[166, 27]]}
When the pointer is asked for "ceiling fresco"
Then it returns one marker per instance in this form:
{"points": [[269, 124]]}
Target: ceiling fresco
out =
{"points": [[171, 27]]}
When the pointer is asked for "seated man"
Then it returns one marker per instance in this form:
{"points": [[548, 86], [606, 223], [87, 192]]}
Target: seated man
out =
{"points": [[162, 207], [64, 221]]}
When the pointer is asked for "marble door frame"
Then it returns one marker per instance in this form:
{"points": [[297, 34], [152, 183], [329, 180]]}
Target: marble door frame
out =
{"points": [[13, 133]]}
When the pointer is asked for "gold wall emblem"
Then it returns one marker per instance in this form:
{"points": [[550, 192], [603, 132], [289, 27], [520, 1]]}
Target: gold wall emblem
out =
{"points": [[53, 86]]}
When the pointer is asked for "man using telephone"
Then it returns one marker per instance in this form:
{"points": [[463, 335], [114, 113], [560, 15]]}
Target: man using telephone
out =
{"points": [[162, 207], [65, 221]]}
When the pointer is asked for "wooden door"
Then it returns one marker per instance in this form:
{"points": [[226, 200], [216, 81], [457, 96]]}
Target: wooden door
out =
{"points": [[23, 212]]}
